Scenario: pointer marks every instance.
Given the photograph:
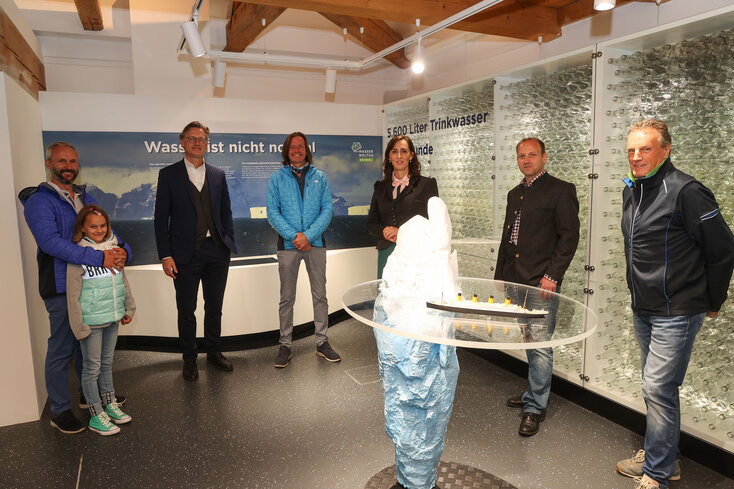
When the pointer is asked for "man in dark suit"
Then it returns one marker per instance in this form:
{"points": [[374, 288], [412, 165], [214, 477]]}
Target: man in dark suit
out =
{"points": [[195, 237], [539, 239]]}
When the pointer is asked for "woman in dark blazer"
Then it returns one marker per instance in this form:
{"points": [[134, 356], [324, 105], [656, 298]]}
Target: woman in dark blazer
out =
{"points": [[401, 194]]}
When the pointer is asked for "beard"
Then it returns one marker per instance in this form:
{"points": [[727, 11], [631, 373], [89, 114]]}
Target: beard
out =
{"points": [[63, 179]]}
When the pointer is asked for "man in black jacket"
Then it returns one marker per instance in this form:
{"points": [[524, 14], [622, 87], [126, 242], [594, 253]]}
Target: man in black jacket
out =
{"points": [[194, 234], [680, 254], [539, 239]]}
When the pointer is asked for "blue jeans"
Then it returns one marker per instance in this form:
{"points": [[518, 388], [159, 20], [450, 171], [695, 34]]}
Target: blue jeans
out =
{"points": [[666, 344], [98, 349], [540, 361], [62, 346]]}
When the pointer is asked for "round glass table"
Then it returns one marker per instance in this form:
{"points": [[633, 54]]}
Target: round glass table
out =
{"points": [[416, 340], [489, 330]]}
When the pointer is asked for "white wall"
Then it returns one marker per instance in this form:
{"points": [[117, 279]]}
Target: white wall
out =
{"points": [[250, 304], [96, 65], [23, 348], [25, 330], [105, 112]]}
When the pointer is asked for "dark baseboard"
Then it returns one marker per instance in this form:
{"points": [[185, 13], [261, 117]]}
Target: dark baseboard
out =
{"points": [[229, 343], [692, 447]]}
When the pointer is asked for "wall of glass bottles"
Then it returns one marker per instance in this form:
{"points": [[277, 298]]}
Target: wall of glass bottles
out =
{"points": [[555, 107], [581, 108]]}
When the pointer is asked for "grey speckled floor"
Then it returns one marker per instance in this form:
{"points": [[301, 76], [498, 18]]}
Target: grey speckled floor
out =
{"points": [[311, 425]]}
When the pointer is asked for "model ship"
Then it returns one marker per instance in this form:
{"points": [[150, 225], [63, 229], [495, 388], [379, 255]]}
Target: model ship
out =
{"points": [[488, 308]]}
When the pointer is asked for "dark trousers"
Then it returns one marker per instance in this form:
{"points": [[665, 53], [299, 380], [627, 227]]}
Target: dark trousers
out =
{"points": [[210, 266], [62, 346], [382, 256]]}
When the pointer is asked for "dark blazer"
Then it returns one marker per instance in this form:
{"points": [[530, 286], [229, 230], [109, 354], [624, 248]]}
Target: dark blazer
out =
{"points": [[549, 232], [384, 211], [175, 213]]}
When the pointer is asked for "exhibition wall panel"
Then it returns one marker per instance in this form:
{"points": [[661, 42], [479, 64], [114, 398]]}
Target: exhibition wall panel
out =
{"points": [[461, 125], [681, 75], [552, 103], [250, 304]]}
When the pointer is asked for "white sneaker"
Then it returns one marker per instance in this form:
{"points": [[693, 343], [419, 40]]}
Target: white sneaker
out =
{"points": [[645, 482]]}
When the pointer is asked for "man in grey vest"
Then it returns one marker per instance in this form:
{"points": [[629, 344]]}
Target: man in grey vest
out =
{"points": [[195, 238]]}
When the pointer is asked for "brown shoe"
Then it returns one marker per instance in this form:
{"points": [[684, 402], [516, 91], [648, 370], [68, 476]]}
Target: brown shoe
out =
{"points": [[530, 424], [515, 402]]}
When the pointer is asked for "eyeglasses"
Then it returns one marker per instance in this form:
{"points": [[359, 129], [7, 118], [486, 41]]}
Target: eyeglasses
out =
{"points": [[192, 139]]}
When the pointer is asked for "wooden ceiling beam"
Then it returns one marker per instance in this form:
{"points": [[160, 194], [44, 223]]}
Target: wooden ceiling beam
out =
{"points": [[429, 11], [377, 35], [245, 24], [90, 14], [18, 60], [520, 19]]}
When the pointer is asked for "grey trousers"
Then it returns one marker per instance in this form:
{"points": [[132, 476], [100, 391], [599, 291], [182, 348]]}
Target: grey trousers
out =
{"points": [[288, 263]]}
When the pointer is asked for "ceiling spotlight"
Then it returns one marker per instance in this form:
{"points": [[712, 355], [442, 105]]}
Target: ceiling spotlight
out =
{"points": [[330, 85], [418, 64], [220, 69], [604, 4], [193, 38]]}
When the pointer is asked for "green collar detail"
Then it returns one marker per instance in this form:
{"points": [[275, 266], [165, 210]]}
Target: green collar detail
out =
{"points": [[653, 172]]}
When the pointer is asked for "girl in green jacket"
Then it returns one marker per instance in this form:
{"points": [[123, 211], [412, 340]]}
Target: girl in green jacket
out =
{"points": [[99, 300]]}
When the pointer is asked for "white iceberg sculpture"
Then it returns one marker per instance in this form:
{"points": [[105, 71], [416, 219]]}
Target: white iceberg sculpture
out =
{"points": [[418, 378]]}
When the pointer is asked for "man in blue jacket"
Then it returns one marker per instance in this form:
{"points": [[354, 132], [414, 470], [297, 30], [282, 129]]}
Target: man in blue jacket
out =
{"points": [[680, 254], [299, 209], [50, 210]]}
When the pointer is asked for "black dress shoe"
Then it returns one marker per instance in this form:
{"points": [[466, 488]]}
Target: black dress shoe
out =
{"points": [[515, 402], [530, 423], [219, 361], [190, 372]]}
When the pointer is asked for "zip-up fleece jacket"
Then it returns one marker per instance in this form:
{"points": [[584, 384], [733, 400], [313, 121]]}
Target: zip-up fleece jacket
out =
{"points": [[679, 249], [96, 296], [51, 220], [289, 213]]}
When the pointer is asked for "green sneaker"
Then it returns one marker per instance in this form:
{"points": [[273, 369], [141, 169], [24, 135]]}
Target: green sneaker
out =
{"points": [[116, 414], [101, 424]]}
